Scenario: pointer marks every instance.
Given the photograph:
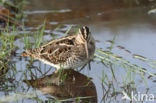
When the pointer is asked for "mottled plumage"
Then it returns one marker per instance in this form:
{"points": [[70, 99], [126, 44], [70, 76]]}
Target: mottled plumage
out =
{"points": [[68, 52]]}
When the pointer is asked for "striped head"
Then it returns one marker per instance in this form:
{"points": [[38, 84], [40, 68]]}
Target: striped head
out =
{"points": [[84, 33], [85, 37]]}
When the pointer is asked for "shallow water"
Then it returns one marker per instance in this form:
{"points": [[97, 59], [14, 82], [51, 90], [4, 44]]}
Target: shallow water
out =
{"points": [[132, 27]]}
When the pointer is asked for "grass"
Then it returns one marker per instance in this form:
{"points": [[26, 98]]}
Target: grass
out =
{"points": [[38, 38], [7, 48], [112, 87], [129, 76], [102, 56], [108, 59], [7, 42]]}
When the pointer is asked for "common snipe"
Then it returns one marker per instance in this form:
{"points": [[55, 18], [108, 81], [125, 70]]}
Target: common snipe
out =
{"points": [[68, 52]]}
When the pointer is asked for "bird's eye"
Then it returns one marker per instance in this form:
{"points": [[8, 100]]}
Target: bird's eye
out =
{"points": [[91, 43]]}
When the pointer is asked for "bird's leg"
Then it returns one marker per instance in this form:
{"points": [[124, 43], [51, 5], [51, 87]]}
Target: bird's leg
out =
{"points": [[89, 66]]}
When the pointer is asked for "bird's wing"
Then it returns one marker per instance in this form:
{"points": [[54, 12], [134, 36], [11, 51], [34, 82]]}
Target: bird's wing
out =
{"points": [[54, 52]]}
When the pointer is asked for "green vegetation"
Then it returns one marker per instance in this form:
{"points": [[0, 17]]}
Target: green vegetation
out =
{"points": [[129, 73], [121, 62], [7, 49], [14, 68], [107, 58]]}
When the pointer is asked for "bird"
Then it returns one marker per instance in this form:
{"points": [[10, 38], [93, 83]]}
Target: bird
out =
{"points": [[68, 52]]}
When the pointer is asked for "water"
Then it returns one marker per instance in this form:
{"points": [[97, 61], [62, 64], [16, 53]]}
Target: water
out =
{"points": [[132, 27]]}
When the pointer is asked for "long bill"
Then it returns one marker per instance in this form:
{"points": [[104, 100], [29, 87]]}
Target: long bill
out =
{"points": [[86, 48]]}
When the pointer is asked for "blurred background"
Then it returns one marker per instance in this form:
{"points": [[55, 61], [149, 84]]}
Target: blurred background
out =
{"points": [[125, 36]]}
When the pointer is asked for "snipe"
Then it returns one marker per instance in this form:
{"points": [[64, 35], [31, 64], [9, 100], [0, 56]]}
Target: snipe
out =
{"points": [[68, 52]]}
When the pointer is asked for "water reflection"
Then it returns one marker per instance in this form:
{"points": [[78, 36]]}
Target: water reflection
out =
{"points": [[135, 40], [66, 84]]}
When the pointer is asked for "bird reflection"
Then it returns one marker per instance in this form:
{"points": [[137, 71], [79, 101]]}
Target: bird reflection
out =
{"points": [[66, 84]]}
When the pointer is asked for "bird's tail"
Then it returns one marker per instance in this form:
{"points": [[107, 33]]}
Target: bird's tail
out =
{"points": [[30, 52], [27, 53]]}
